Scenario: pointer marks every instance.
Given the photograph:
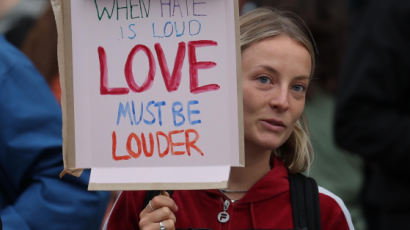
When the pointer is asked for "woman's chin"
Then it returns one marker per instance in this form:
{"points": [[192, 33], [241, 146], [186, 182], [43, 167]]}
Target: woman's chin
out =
{"points": [[263, 145]]}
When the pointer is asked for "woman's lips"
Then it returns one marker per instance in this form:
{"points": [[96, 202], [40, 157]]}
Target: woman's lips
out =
{"points": [[274, 125]]}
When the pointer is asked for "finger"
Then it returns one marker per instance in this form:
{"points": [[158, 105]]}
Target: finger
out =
{"points": [[158, 202], [149, 208], [165, 193], [159, 215], [164, 201], [168, 224]]}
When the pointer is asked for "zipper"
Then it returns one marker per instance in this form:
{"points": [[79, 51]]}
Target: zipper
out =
{"points": [[224, 217]]}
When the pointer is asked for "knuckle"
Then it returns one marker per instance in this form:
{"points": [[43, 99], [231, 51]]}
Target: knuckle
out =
{"points": [[141, 215], [156, 199], [174, 219], [167, 211], [142, 223], [171, 223]]}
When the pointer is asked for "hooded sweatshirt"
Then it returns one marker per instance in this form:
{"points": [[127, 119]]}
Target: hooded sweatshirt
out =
{"points": [[265, 206]]}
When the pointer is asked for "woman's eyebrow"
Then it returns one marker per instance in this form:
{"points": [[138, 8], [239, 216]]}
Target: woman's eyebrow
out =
{"points": [[268, 68], [274, 71], [302, 78]]}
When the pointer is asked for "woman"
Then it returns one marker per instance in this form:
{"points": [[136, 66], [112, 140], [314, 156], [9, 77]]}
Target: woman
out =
{"points": [[278, 60]]}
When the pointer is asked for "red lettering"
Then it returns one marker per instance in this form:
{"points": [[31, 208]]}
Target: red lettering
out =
{"points": [[151, 143], [104, 89], [129, 73], [191, 144], [173, 144], [194, 65], [131, 137], [114, 149], [171, 82], [165, 152]]}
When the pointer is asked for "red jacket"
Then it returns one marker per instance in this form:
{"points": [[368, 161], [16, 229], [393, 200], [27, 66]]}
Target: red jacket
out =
{"points": [[265, 206]]}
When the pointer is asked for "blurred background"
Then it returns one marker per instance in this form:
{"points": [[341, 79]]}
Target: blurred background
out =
{"points": [[18, 16]]}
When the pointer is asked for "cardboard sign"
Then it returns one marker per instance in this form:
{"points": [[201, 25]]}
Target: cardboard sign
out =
{"points": [[159, 178], [150, 83]]}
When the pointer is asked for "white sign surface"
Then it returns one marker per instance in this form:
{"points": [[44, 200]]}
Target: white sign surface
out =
{"points": [[155, 83]]}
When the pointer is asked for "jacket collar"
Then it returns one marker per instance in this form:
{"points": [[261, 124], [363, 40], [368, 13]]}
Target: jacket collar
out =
{"points": [[275, 182]]}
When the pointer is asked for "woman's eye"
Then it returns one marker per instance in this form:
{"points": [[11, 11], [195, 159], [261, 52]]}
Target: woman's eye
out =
{"points": [[264, 79], [299, 88]]}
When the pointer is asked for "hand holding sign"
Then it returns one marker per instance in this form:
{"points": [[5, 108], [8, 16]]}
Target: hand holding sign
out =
{"points": [[159, 210]]}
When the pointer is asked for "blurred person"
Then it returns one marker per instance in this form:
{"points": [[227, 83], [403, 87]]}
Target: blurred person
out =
{"points": [[6, 5], [246, 6], [17, 17], [334, 168], [40, 46], [277, 65], [373, 110], [32, 196], [241, 3]]}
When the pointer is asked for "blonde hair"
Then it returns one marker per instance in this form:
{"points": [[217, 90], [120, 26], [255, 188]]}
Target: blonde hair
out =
{"points": [[263, 23]]}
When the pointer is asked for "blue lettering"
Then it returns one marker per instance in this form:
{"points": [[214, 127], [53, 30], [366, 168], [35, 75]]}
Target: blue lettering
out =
{"points": [[176, 29], [158, 105], [190, 112], [141, 112], [153, 31], [149, 111], [165, 29], [123, 112], [177, 113], [134, 34], [198, 28]]}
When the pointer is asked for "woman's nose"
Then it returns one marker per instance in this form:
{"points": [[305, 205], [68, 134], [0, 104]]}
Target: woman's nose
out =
{"points": [[280, 99]]}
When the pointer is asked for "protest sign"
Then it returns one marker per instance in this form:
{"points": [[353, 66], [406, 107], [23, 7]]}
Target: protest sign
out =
{"points": [[150, 84]]}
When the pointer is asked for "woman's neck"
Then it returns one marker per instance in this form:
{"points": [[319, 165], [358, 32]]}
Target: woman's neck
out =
{"points": [[243, 178]]}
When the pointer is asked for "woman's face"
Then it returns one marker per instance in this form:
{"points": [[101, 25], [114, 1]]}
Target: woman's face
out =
{"points": [[275, 79]]}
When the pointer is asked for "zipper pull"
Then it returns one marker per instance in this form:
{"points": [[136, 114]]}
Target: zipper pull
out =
{"points": [[223, 216]]}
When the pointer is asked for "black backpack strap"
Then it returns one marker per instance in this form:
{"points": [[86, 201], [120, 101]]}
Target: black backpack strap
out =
{"points": [[304, 197], [150, 194]]}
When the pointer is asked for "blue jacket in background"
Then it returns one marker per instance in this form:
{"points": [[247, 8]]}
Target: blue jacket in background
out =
{"points": [[31, 194]]}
